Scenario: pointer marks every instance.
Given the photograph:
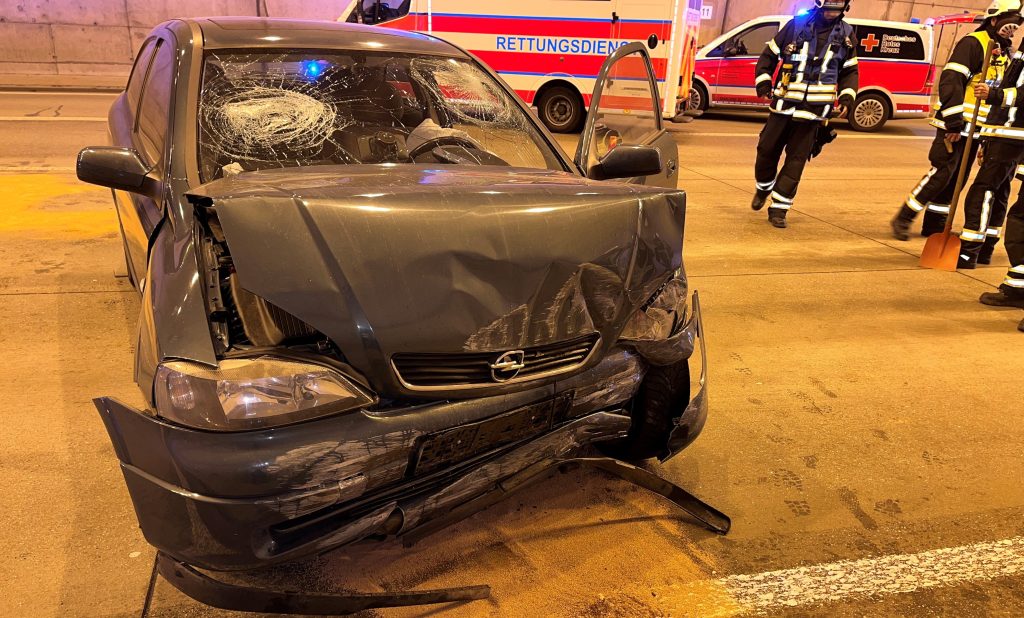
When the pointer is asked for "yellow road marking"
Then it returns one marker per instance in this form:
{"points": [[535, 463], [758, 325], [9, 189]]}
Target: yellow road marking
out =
{"points": [[50, 206]]}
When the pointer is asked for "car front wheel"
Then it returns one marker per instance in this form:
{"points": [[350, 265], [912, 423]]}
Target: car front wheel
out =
{"points": [[698, 98], [662, 397]]}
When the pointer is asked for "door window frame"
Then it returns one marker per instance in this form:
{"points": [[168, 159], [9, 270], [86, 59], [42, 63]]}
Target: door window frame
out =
{"points": [[735, 37], [161, 163], [582, 158]]}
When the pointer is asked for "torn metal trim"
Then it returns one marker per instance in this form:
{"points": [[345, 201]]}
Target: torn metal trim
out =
{"points": [[223, 595], [711, 518]]}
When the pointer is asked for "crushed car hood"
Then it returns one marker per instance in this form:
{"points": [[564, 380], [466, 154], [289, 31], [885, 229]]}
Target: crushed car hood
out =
{"points": [[418, 259]]}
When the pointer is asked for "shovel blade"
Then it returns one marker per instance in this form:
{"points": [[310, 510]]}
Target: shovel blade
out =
{"points": [[941, 251]]}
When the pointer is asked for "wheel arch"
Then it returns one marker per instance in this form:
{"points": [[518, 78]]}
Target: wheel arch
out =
{"points": [[885, 94], [552, 81]]}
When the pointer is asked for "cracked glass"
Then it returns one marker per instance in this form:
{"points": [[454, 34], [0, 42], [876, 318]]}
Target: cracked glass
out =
{"points": [[263, 110]]}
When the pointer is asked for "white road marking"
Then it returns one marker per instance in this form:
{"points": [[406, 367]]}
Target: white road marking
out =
{"points": [[842, 136], [762, 593], [52, 119]]}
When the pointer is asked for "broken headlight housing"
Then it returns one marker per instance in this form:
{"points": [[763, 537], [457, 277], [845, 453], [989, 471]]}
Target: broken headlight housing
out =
{"points": [[659, 317], [252, 393]]}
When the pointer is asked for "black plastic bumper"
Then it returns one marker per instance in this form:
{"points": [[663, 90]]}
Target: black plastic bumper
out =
{"points": [[235, 501]]}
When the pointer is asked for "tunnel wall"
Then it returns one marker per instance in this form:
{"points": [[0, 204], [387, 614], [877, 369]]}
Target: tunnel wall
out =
{"points": [[99, 37], [727, 14]]}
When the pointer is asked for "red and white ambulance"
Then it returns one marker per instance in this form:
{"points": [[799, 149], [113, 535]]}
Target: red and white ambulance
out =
{"points": [[550, 51], [897, 68]]}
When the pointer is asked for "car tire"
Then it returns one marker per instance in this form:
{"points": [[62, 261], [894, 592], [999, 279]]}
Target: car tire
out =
{"points": [[661, 398], [870, 113], [698, 98], [561, 109]]}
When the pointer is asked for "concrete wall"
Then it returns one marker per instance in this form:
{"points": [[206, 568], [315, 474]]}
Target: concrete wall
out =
{"points": [[99, 37]]}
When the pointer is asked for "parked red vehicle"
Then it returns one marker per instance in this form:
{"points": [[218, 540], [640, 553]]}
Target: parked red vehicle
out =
{"points": [[897, 67]]}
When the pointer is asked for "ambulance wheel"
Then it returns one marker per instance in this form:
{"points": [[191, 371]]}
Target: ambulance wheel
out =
{"points": [[870, 113], [698, 98], [561, 109]]}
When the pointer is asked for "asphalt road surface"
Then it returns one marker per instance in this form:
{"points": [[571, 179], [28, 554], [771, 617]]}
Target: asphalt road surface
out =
{"points": [[865, 431]]}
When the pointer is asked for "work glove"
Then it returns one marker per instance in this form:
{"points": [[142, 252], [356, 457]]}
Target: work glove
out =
{"points": [[846, 101], [764, 90]]}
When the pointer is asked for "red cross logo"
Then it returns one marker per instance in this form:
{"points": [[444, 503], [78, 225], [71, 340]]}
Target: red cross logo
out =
{"points": [[870, 43]]}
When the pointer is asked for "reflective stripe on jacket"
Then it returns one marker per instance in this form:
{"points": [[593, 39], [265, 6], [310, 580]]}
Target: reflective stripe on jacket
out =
{"points": [[810, 79], [962, 73], [1006, 121]]}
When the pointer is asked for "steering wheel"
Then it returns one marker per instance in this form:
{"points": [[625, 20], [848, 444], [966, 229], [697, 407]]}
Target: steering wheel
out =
{"points": [[444, 140]]}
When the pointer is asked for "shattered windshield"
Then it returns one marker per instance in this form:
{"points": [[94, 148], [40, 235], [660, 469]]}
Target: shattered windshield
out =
{"points": [[261, 110]]}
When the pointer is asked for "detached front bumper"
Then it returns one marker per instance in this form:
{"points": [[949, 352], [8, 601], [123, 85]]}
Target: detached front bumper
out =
{"points": [[236, 501]]}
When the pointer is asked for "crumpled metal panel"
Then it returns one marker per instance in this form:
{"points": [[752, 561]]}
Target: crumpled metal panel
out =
{"points": [[173, 322], [415, 259]]}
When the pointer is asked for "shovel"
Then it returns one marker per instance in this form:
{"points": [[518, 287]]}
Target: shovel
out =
{"points": [[942, 250]]}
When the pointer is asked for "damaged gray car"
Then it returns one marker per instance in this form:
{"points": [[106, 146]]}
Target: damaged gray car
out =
{"points": [[374, 290]]}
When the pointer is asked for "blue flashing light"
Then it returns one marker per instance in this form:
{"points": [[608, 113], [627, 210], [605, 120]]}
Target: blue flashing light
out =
{"points": [[915, 20], [802, 12], [313, 69]]}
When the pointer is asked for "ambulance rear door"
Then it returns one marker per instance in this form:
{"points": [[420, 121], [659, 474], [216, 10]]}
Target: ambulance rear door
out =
{"points": [[651, 23]]}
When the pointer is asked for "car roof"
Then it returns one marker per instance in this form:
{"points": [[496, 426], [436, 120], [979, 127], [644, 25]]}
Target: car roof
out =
{"points": [[277, 33], [855, 21]]}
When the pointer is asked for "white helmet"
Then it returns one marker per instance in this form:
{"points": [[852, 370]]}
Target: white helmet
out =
{"points": [[833, 5], [998, 7], [1007, 16]]}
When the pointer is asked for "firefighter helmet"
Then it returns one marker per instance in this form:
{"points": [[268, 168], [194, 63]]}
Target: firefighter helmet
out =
{"points": [[1005, 15], [833, 5], [998, 7]]}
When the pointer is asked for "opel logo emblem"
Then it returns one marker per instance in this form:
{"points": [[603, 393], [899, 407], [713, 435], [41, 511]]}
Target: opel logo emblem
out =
{"points": [[508, 366]]}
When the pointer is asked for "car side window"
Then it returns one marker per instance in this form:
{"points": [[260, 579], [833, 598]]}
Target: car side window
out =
{"points": [[134, 88], [750, 42], [153, 120]]}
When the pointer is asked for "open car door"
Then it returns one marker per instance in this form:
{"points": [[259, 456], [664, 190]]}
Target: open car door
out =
{"points": [[625, 111]]}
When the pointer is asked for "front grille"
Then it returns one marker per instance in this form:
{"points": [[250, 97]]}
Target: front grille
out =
{"points": [[475, 369]]}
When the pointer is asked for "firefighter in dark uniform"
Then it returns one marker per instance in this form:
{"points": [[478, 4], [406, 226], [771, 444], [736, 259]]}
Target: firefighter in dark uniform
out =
{"points": [[1011, 292], [955, 107], [984, 208], [819, 66]]}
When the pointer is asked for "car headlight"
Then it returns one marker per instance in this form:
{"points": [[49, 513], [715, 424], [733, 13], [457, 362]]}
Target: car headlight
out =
{"points": [[252, 393]]}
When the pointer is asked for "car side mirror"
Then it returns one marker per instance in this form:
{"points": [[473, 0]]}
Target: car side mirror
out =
{"points": [[116, 168], [628, 162]]}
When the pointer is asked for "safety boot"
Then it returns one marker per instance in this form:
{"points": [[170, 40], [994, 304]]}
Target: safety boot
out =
{"points": [[969, 251], [760, 197], [966, 261], [777, 217], [985, 255], [934, 223], [1001, 299], [900, 228]]}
